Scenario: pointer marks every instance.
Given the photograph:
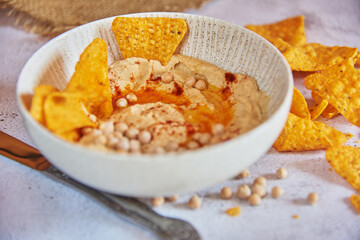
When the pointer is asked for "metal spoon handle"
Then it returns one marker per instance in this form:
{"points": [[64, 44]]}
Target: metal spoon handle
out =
{"points": [[126, 207]]}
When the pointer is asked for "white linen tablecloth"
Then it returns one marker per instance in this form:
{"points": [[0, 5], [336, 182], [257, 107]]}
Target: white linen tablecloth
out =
{"points": [[34, 207]]}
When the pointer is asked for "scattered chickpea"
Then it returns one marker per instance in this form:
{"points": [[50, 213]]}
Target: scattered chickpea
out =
{"points": [[193, 145], [277, 192], [259, 189], [145, 137], [173, 198], [190, 81], [121, 127], [226, 193], [194, 202], [131, 97], [132, 132], [159, 150], [243, 174], [282, 173], [218, 129], [243, 192], [86, 130], [254, 199], [121, 102], [200, 85], [157, 201], [313, 198], [261, 181], [167, 77]]}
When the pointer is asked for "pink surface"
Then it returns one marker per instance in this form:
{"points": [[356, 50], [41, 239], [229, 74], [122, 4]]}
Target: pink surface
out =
{"points": [[35, 207]]}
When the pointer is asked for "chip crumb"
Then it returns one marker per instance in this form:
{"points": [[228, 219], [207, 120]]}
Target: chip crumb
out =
{"points": [[295, 216], [330, 169], [234, 211]]}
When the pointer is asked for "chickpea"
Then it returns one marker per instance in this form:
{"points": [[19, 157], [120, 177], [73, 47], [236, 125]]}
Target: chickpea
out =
{"points": [[134, 145], [145, 137], [254, 199], [123, 144], [172, 146], [259, 189], [132, 132], [200, 85], [282, 173], [121, 102], [218, 129], [131, 97], [204, 138], [260, 180], [277, 192], [167, 77], [107, 127], [157, 201], [243, 174], [173, 198], [226, 193], [121, 127], [243, 192], [190, 81], [194, 202], [313, 198], [193, 145]]}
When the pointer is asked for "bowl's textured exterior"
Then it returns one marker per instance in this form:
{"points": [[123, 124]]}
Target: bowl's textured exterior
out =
{"points": [[226, 45]]}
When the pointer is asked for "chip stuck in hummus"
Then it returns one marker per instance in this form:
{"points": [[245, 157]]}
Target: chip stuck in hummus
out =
{"points": [[161, 101]]}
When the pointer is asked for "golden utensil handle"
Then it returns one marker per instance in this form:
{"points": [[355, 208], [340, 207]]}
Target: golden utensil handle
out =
{"points": [[16, 150]]}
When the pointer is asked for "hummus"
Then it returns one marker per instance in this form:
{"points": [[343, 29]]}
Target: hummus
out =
{"points": [[186, 104]]}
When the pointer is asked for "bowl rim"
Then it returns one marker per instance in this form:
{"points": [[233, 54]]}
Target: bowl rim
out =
{"points": [[285, 103]]}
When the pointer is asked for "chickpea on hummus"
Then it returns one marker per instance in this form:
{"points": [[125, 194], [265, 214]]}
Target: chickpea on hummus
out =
{"points": [[184, 105]]}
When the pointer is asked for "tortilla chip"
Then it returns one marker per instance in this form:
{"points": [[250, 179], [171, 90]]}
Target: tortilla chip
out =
{"points": [[346, 162], [291, 30], [336, 137], [234, 211], [37, 102], [299, 106], [91, 79], [317, 109], [301, 134], [329, 111], [340, 86], [313, 56], [64, 113], [151, 38], [355, 200]]}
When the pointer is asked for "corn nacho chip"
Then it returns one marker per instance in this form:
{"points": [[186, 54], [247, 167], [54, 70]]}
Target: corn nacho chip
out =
{"points": [[340, 86], [313, 56], [355, 201], [317, 109], [299, 106], [336, 137], [291, 30], [64, 112], [37, 103], [91, 79], [357, 59], [346, 162], [301, 134], [151, 38], [329, 111]]}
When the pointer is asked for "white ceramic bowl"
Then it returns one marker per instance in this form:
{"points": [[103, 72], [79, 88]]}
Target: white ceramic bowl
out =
{"points": [[226, 45]]}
